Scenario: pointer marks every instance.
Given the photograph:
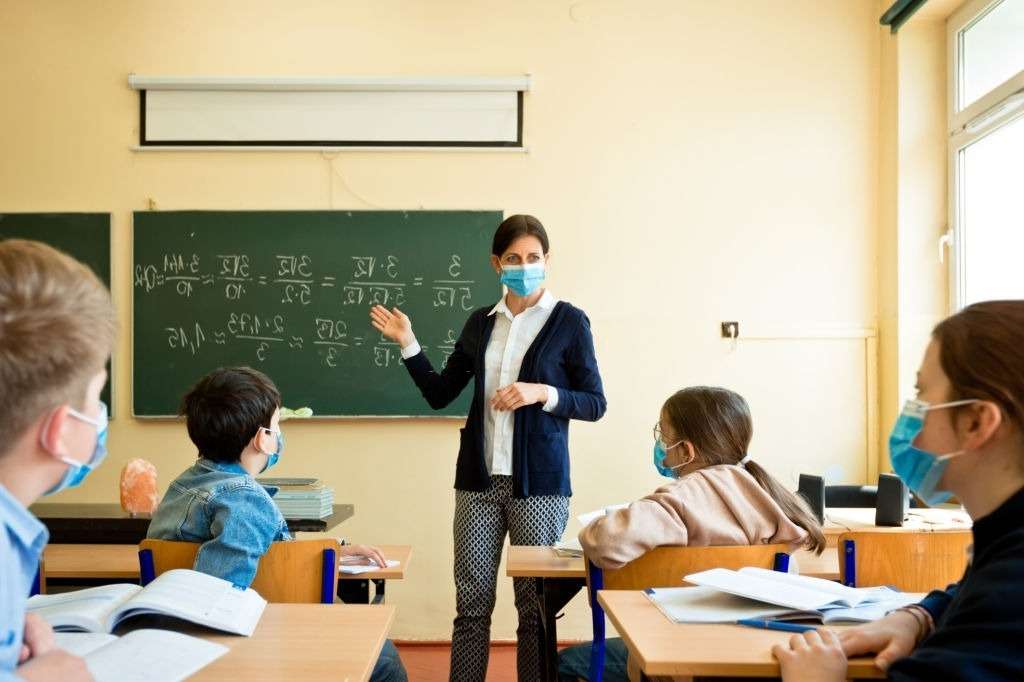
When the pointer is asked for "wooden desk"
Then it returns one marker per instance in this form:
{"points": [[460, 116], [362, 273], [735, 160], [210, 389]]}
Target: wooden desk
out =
{"points": [[658, 646], [838, 520], [301, 642], [96, 563]]}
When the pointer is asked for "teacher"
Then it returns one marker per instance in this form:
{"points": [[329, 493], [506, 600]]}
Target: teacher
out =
{"points": [[532, 363]]}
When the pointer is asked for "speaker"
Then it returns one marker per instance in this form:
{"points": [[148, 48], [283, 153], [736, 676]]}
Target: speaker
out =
{"points": [[892, 502], [812, 489]]}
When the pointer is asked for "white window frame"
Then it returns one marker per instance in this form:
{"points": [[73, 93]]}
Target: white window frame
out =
{"points": [[987, 114]]}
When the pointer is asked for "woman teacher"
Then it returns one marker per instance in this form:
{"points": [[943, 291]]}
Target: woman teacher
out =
{"points": [[532, 363]]}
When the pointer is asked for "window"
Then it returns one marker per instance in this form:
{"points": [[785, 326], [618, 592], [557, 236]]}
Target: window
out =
{"points": [[986, 125]]}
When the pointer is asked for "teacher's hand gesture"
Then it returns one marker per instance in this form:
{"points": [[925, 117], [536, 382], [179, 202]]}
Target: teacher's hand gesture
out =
{"points": [[519, 394], [394, 324]]}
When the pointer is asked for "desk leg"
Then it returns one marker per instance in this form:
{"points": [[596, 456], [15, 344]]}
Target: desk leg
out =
{"points": [[552, 595], [358, 591]]}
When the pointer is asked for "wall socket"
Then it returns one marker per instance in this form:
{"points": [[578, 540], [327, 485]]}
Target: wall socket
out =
{"points": [[730, 330]]}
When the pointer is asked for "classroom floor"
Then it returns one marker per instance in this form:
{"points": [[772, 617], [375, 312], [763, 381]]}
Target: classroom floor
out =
{"points": [[429, 663]]}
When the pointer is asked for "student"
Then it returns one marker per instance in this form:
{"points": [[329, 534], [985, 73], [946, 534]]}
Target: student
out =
{"points": [[56, 332], [232, 415], [963, 435], [718, 496]]}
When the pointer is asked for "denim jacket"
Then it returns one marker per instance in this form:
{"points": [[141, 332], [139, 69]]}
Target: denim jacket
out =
{"points": [[224, 508]]}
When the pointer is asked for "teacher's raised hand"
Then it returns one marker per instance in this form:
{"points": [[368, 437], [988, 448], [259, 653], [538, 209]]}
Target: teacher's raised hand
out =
{"points": [[394, 324], [519, 394]]}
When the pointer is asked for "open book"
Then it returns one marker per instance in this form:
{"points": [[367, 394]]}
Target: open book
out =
{"points": [[141, 655], [799, 592], [181, 593], [357, 565], [711, 605]]}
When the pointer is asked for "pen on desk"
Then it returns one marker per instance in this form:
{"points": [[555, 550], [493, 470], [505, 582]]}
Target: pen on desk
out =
{"points": [[774, 625]]}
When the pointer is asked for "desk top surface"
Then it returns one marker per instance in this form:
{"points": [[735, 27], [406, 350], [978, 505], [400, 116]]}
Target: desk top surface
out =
{"points": [[662, 647], [839, 520], [542, 562], [302, 642], [122, 561]]}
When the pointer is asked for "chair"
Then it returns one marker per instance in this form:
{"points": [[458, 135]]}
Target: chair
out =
{"points": [[39, 582], [291, 572], [909, 561], [665, 567]]}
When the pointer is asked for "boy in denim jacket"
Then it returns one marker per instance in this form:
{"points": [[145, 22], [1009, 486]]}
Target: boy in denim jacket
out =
{"points": [[232, 415]]}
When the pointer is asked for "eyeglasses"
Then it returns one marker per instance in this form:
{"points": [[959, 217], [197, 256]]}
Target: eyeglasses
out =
{"points": [[660, 436]]}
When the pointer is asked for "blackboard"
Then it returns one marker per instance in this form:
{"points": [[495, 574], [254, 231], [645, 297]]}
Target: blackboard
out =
{"points": [[289, 293], [86, 236]]}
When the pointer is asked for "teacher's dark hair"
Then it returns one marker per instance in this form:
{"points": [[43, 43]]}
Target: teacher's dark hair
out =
{"points": [[514, 227]]}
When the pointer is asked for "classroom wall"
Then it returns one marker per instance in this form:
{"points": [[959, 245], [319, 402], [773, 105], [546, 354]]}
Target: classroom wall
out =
{"points": [[694, 161]]}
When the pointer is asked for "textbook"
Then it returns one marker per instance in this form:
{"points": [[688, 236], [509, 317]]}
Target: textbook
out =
{"points": [[301, 498], [141, 655], [181, 593], [795, 592], [711, 605]]}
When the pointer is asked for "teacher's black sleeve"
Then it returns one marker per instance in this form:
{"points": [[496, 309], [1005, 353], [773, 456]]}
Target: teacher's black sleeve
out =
{"points": [[584, 397], [440, 389]]}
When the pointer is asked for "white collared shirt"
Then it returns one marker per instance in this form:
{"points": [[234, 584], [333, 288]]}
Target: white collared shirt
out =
{"points": [[511, 338]]}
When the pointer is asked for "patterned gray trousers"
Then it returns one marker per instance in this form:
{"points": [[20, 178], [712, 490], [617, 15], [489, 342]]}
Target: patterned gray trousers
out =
{"points": [[481, 521]]}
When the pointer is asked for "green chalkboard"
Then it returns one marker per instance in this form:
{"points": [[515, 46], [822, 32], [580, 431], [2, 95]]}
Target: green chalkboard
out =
{"points": [[289, 293], [86, 236]]}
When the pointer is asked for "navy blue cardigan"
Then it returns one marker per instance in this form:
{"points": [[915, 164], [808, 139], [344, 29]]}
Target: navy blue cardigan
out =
{"points": [[561, 356], [978, 621]]}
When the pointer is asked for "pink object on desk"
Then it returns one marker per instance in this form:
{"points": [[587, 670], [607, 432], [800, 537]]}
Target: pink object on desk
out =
{"points": [[138, 487]]}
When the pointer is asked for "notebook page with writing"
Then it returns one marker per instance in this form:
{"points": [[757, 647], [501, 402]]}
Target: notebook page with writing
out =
{"points": [[82, 643], [200, 598], [87, 609], [152, 656]]}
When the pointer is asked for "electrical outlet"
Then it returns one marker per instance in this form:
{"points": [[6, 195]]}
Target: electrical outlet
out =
{"points": [[730, 330]]}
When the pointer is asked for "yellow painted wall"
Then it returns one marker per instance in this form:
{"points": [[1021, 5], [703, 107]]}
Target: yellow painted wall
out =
{"points": [[694, 160]]}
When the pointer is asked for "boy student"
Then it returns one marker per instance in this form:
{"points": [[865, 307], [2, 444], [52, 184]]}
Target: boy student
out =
{"points": [[232, 415], [56, 332]]}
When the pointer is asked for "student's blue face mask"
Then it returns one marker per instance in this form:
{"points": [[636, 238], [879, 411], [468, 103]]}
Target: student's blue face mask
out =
{"points": [[272, 457], [77, 471], [661, 452], [522, 280], [919, 469]]}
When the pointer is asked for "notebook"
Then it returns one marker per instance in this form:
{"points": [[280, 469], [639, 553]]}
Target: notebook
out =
{"points": [[356, 565], [795, 592], [141, 655], [181, 593], [704, 604]]}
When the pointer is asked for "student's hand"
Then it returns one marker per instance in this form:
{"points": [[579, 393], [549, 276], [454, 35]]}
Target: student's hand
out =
{"points": [[519, 394], [55, 665], [371, 553], [812, 656], [38, 638], [394, 324], [892, 638]]}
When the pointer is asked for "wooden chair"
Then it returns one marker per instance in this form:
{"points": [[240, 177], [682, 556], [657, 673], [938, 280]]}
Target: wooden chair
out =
{"points": [[665, 567], [909, 561], [291, 572]]}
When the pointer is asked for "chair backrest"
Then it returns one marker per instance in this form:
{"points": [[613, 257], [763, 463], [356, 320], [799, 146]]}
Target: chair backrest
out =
{"points": [[909, 561], [291, 572], [812, 489], [666, 566]]}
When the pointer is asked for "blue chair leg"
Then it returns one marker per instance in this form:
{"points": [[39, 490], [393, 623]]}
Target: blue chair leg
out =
{"points": [[37, 583], [781, 562], [147, 571], [849, 563], [327, 585], [597, 616]]}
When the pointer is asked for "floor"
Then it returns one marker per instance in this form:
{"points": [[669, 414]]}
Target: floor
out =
{"points": [[429, 663]]}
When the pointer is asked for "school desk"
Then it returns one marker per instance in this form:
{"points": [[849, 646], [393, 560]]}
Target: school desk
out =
{"points": [[839, 520], [659, 647]]}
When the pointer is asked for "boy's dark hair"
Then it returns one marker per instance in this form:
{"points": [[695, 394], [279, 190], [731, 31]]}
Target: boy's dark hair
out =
{"points": [[225, 408]]}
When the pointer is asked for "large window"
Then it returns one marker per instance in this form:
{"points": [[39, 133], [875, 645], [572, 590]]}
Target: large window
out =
{"points": [[986, 122]]}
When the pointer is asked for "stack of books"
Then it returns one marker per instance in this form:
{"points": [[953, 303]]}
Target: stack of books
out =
{"points": [[301, 498]]}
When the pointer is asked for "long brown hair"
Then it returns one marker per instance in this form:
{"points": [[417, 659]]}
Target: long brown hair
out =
{"points": [[716, 421], [981, 350]]}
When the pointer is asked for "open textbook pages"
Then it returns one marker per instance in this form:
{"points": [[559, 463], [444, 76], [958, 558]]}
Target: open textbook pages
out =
{"points": [[357, 565], [705, 604], [141, 655], [181, 593]]}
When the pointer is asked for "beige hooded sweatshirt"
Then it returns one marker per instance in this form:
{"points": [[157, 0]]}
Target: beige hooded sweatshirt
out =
{"points": [[716, 505]]}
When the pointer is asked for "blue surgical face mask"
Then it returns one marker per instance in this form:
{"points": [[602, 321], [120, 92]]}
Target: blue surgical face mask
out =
{"points": [[272, 457], [919, 469], [522, 280], [660, 453], [77, 471]]}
